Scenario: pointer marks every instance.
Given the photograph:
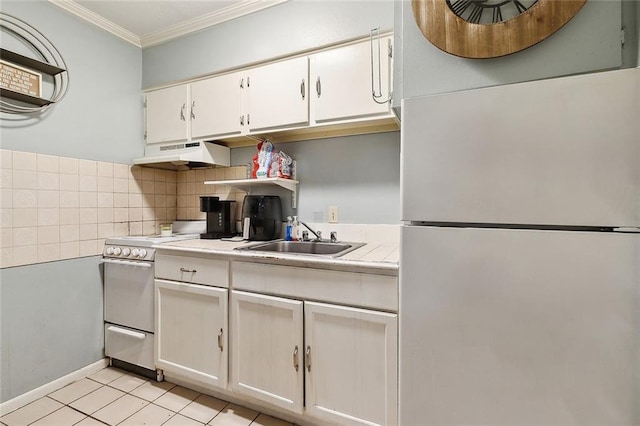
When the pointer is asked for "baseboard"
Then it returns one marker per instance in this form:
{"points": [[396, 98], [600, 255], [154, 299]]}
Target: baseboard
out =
{"points": [[46, 389]]}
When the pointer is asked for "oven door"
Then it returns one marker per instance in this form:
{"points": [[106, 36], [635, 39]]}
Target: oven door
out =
{"points": [[128, 293]]}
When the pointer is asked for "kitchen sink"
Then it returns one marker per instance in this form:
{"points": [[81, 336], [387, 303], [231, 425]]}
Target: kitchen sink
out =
{"points": [[319, 248]]}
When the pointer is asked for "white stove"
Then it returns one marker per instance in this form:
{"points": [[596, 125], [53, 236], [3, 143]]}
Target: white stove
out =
{"points": [[129, 296]]}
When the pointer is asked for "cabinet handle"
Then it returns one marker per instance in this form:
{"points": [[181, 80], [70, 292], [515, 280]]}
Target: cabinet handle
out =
{"points": [[242, 83], [242, 120], [248, 118], [296, 361], [191, 271], [220, 340], [308, 357], [318, 87], [302, 89], [193, 107], [182, 112]]}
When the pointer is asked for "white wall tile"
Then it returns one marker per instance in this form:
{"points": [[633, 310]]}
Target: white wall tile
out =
{"points": [[88, 215], [121, 228], [6, 159], [25, 255], [105, 169], [6, 198], [48, 163], [148, 173], [69, 233], [48, 180], [87, 168], [105, 215], [48, 198], [88, 183], [25, 179], [105, 184], [48, 217], [105, 230], [25, 198], [68, 165], [69, 199], [135, 214], [88, 231], [135, 228], [6, 257], [120, 214], [6, 237], [6, 178], [69, 250], [89, 248], [48, 252], [149, 228], [25, 236], [105, 199], [25, 161], [69, 216], [121, 171], [120, 200], [135, 200], [88, 199], [25, 217], [120, 185], [69, 182], [48, 234]]}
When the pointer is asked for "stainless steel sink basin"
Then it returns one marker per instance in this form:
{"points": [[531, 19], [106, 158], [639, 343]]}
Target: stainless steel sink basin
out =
{"points": [[319, 248]]}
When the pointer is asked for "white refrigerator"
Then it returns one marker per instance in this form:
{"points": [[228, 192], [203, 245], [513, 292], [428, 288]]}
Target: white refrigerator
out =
{"points": [[520, 254]]}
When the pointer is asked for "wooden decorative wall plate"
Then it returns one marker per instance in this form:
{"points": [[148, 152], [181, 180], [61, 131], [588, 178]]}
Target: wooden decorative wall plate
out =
{"points": [[491, 28]]}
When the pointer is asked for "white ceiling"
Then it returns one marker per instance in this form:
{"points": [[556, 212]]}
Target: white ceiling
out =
{"points": [[149, 22]]}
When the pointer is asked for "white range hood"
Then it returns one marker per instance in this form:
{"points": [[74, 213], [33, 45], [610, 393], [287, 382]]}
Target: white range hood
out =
{"points": [[184, 155]]}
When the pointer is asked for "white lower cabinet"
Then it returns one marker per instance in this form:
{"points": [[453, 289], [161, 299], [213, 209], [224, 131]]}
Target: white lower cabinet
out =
{"points": [[266, 347], [351, 364], [191, 332], [346, 357]]}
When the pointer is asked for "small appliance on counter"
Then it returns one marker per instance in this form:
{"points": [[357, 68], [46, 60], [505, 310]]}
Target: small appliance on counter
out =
{"points": [[261, 217], [220, 218]]}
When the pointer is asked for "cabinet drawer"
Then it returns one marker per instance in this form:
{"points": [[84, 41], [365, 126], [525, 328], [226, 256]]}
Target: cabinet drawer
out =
{"points": [[344, 288], [193, 269]]}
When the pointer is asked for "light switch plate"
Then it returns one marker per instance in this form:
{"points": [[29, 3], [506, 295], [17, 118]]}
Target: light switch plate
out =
{"points": [[333, 214]]}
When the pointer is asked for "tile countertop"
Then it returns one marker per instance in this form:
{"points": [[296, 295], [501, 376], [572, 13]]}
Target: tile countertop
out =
{"points": [[379, 255]]}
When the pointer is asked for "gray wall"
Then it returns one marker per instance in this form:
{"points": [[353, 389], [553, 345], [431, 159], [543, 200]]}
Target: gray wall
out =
{"points": [[51, 313], [50, 322], [358, 174], [589, 42], [101, 116]]}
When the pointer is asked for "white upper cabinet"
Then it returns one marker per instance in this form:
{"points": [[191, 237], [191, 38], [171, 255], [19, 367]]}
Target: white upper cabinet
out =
{"points": [[216, 106], [168, 112], [343, 81], [278, 95]]}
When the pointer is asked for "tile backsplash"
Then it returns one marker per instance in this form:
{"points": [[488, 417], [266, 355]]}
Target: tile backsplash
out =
{"points": [[54, 208]]}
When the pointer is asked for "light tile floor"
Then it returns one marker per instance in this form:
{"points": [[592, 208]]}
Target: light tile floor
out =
{"points": [[116, 397]]}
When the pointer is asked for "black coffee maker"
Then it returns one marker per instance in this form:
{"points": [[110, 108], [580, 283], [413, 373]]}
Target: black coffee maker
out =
{"points": [[261, 217], [220, 218]]}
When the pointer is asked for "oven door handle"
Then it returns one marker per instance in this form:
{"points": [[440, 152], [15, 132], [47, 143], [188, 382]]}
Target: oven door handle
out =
{"points": [[128, 262], [134, 334]]}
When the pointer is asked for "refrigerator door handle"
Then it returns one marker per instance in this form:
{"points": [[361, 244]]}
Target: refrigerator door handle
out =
{"points": [[627, 229]]}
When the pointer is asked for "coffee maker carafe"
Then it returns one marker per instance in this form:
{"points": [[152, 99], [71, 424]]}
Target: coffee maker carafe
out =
{"points": [[220, 217], [261, 217]]}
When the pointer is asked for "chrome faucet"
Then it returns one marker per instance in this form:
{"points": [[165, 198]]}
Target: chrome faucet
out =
{"points": [[317, 234]]}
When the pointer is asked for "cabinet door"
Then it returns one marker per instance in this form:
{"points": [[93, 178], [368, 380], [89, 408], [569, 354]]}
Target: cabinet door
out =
{"points": [[341, 82], [191, 332], [215, 107], [168, 114], [278, 95], [351, 364], [266, 346]]}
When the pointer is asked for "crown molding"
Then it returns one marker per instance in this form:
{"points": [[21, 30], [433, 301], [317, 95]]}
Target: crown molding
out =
{"points": [[223, 15], [97, 20], [242, 8]]}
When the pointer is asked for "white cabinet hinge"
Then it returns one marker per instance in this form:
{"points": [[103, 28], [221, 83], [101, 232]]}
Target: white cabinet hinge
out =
{"points": [[622, 36]]}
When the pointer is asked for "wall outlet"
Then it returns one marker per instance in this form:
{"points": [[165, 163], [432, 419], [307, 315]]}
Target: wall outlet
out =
{"points": [[333, 214]]}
